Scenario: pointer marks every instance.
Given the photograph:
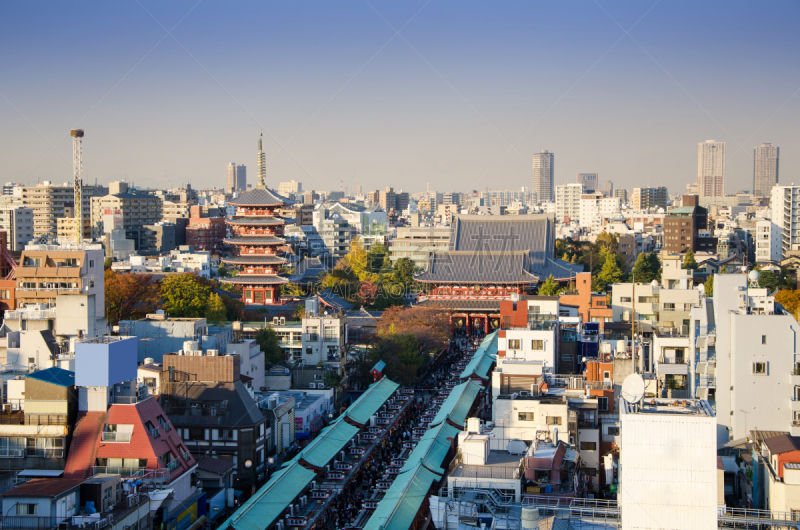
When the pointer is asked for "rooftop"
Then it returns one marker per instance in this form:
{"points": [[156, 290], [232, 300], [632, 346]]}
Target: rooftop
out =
{"points": [[686, 407], [499, 464], [43, 487], [56, 376]]}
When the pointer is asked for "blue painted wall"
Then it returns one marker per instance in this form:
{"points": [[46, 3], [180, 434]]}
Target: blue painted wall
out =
{"points": [[105, 364]]}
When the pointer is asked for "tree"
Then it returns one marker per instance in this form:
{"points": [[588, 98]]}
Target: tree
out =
{"points": [[356, 260], [129, 296], [647, 268], [709, 286], [402, 355], [107, 263], [267, 339], [688, 260], [222, 272], [549, 287], [429, 325], [216, 310], [404, 272], [609, 274], [789, 299], [184, 295]]}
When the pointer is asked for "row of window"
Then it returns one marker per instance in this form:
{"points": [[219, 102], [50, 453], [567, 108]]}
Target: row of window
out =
{"points": [[31, 447], [516, 344]]}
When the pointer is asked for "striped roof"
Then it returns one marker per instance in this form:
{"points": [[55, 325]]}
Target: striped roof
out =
{"points": [[254, 240], [458, 403], [267, 504], [370, 401], [246, 220], [432, 448], [329, 442], [260, 197], [402, 501]]}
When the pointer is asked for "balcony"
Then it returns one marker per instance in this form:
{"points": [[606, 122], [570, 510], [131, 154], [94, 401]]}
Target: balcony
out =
{"points": [[117, 437], [310, 337], [172, 465], [706, 381], [150, 476]]}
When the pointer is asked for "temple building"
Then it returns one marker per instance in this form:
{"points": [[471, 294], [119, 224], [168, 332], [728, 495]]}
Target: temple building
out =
{"points": [[491, 259], [257, 235]]}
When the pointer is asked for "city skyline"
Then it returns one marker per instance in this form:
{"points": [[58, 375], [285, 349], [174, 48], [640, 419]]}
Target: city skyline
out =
{"points": [[347, 96]]}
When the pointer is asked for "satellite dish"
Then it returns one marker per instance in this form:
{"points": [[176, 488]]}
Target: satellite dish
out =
{"points": [[633, 389]]}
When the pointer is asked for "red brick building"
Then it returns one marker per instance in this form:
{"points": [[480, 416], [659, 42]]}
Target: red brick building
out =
{"points": [[591, 306], [205, 233]]}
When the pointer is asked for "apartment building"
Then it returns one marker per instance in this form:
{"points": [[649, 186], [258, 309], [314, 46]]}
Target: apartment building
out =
{"points": [[568, 201], [646, 198], [48, 202], [45, 271], [17, 222], [785, 206], [595, 210], [121, 209], [417, 243]]}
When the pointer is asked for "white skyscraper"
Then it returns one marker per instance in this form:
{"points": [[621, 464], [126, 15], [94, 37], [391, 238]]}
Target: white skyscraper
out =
{"points": [[589, 181], [765, 169], [543, 166], [785, 207], [711, 168]]}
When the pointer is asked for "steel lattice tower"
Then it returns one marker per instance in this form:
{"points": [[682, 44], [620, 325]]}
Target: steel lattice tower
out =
{"points": [[77, 169]]}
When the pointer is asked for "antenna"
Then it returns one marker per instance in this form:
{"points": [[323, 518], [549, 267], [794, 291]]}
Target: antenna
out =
{"points": [[77, 169]]}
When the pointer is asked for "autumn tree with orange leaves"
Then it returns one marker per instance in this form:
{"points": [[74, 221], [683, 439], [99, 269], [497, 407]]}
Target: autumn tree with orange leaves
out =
{"points": [[130, 296]]}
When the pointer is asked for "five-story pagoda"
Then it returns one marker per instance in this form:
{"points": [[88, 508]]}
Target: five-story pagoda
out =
{"points": [[257, 234]]}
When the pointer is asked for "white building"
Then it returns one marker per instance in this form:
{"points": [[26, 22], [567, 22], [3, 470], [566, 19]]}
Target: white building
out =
{"points": [[768, 241], [251, 362], [287, 189], [747, 357], [17, 222], [711, 168], [785, 206], [595, 209], [668, 465], [568, 201]]}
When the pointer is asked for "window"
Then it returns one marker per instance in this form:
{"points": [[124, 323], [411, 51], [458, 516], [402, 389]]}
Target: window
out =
{"points": [[602, 403], [760, 368], [12, 447], [197, 433], [537, 345], [525, 416], [606, 376], [763, 339], [613, 431], [513, 344], [26, 509], [46, 447], [600, 303], [225, 434], [624, 299], [588, 446], [5, 295], [554, 420]]}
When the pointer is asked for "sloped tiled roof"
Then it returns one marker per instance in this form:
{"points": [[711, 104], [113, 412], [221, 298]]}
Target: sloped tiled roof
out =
{"points": [[43, 487], [255, 279], [483, 358], [260, 197], [334, 301], [783, 443], [255, 259], [242, 408], [432, 448], [330, 441], [245, 220], [253, 240], [478, 267], [379, 366], [214, 465]]}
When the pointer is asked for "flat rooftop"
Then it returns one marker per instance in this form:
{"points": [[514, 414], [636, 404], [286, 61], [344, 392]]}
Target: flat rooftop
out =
{"points": [[500, 464], [684, 407]]}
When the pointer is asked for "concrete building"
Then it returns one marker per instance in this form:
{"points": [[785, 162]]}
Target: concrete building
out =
{"points": [[544, 176], [324, 338], [595, 210], [290, 188], [646, 198], [568, 201], [121, 209], [205, 233], [746, 359], [160, 335], [48, 202], [686, 228], [765, 169], [47, 271], [711, 168], [768, 241], [236, 178], [785, 206], [17, 222], [416, 243], [668, 465], [589, 181]]}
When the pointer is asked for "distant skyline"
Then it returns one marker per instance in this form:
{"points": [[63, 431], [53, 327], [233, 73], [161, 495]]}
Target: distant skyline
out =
{"points": [[462, 98]]}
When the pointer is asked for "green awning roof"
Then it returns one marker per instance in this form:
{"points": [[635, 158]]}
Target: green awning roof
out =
{"points": [[267, 504], [432, 448], [458, 403], [478, 365], [370, 401], [402, 501], [329, 442]]}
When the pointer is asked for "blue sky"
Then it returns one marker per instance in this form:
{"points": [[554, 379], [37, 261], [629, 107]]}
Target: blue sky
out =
{"points": [[462, 97]]}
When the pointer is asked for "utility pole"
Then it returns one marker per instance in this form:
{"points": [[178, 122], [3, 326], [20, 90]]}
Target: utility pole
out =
{"points": [[633, 320]]}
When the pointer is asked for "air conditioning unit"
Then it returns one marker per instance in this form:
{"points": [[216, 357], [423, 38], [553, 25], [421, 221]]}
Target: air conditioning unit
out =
{"points": [[312, 385], [276, 321], [283, 321]]}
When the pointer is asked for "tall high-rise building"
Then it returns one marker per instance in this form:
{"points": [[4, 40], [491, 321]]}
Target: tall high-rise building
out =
{"points": [[711, 168], [237, 178], [785, 206], [543, 166], [765, 169], [589, 181]]}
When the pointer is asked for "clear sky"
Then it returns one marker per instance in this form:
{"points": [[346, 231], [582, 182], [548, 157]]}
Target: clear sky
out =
{"points": [[461, 97]]}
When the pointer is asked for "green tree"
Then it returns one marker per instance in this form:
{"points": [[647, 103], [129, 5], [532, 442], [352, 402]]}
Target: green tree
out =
{"points": [[107, 263], [709, 286], [222, 272], [267, 339], [549, 287], [185, 295], [647, 268], [688, 260], [216, 310], [404, 272], [609, 274], [356, 261]]}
